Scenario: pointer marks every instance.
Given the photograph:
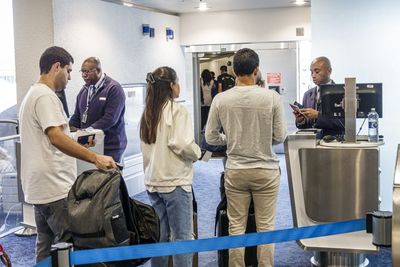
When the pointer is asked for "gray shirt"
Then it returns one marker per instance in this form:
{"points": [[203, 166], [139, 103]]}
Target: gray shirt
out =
{"points": [[253, 120]]}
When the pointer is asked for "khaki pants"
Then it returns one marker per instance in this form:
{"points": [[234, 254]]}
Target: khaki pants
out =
{"points": [[241, 185]]}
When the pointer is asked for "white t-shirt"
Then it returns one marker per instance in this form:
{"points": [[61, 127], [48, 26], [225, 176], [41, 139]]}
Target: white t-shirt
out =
{"points": [[47, 174]]}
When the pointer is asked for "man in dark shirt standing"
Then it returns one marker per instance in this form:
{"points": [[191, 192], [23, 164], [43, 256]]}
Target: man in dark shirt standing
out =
{"points": [[310, 114], [225, 80], [101, 105]]}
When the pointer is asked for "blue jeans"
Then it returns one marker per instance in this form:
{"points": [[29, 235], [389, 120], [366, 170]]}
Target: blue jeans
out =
{"points": [[175, 210]]}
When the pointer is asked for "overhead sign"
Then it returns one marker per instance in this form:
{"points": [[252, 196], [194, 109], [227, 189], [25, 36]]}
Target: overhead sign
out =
{"points": [[274, 78]]}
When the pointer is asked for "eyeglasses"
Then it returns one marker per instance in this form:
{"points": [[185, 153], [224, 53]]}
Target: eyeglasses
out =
{"points": [[87, 71]]}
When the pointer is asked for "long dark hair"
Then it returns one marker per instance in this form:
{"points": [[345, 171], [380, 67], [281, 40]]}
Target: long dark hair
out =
{"points": [[206, 77], [159, 91]]}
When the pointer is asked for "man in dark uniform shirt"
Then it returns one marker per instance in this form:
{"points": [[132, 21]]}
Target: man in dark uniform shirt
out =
{"points": [[310, 115], [101, 105]]}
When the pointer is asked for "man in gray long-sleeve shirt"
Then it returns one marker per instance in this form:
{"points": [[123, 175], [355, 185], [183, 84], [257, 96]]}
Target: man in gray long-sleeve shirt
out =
{"points": [[253, 120]]}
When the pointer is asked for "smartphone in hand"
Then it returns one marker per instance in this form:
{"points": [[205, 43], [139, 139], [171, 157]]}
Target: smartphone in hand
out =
{"points": [[298, 104], [296, 109], [86, 139]]}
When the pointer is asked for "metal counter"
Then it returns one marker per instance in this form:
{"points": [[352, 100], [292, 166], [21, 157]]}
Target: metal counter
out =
{"points": [[342, 180], [331, 184]]}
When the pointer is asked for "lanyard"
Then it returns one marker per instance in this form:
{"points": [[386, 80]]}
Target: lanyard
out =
{"points": [[92, 90], [90, 94]]}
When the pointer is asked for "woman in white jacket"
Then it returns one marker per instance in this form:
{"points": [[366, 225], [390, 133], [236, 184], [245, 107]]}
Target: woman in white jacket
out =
{"points": [[169, 150]]}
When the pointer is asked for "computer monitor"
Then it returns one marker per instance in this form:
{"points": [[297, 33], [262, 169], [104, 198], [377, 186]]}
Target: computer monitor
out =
{"points": [[368, 95]]}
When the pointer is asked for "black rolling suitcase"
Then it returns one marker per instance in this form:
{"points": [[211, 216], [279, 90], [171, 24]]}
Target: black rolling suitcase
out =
{"points": [[222, 229]]}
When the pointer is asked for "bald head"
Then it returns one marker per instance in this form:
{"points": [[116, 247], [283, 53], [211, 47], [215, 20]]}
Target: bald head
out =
{"points": [[321, 70], [323, 60], [95, 61]]}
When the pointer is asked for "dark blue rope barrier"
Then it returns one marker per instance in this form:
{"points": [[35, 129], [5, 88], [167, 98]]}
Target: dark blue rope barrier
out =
{"points": [[209, 244]]}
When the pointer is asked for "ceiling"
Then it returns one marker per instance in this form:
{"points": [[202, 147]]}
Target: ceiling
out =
{"points": [[188, 6]]}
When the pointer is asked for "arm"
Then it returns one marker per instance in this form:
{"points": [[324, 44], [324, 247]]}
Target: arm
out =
{"points": [[48, 113], [304, 123], [213, 136], [332, 124], [68, 146], [75, 120], [279, 125], [181, 137], [113, 109], [322, 122], [219, 87]]}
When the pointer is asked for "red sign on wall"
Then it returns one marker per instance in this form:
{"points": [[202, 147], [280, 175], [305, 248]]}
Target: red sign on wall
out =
{"points": [[274, 78]]}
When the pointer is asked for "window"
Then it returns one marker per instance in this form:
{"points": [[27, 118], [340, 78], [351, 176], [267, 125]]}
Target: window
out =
{"points": [[8, 93], [10, 205], [134, 104]]}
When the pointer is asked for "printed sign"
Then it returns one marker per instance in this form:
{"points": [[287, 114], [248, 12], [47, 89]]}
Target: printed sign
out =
{"points": [[274, 78]]}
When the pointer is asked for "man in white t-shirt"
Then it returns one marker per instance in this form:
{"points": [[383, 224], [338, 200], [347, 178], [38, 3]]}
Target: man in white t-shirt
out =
{"points": [[48, 164]]}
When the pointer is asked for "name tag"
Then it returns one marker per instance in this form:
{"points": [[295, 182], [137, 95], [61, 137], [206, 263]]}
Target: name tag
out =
{"points": [[102, 98]]}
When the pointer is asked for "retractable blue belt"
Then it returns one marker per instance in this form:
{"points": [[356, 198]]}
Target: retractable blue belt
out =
{"points": [[209, 244]]}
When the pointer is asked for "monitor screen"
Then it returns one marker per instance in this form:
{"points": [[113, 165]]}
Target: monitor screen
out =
{"points": [[368, 95]]}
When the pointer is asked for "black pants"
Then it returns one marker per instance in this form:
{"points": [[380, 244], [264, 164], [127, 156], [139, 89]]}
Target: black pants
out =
{"points": [[204, 115]]}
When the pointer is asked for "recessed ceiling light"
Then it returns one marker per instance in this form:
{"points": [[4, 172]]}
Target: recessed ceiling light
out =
{"points": [[202, 6], [127, 4], [300, 2]]}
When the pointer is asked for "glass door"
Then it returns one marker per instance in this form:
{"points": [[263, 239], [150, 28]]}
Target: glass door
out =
{"points": [[135, 94]]}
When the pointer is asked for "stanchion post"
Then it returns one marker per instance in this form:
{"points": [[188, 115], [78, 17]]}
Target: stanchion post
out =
{"points": [[60, 254]]}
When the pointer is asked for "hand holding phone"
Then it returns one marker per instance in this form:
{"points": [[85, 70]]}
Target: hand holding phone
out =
{"points": [[296, 110], [86, 139], [298, 104]]}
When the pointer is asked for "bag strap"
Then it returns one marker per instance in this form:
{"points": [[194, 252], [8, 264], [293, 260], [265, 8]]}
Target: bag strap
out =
{"points": [[89, 235]]}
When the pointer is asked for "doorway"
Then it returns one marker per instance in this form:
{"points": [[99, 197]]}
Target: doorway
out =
{"points": [[279, 66]]}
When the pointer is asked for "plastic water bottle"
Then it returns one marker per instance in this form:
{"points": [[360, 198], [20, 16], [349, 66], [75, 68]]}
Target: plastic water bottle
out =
{"points": [[373, 134]]}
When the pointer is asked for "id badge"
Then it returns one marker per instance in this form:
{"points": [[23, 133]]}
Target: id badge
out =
{"points": [[84, 117]]}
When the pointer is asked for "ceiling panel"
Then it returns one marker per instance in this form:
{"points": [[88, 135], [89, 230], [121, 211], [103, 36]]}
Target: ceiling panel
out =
{"points": [[189, 6]]}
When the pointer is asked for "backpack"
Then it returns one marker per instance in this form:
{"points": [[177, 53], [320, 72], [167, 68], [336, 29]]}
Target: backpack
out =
{"points": [[101, 214], [227, 81]]}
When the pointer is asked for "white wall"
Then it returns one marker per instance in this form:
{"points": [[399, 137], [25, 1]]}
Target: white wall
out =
{"points": [[362, 38], [105, 30], [282, 61], [33, 33], [114, 34], [265, 25]]}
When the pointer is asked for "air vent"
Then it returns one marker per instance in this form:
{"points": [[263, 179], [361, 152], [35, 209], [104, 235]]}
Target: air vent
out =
{"points": [[299, 31]]}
